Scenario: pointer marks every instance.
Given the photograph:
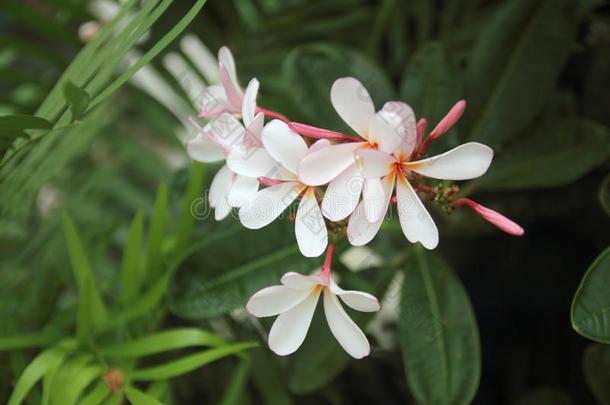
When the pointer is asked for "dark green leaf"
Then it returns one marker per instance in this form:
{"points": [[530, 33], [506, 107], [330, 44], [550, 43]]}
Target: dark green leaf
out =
{"points": [[137, 397], [187, 219], [131, 273], [311, 71], [77, 99], [15, 123], [515, 65], [156, 233], [438, 333], [591, 304], [596, 369], [234, 394], [604, 194]]}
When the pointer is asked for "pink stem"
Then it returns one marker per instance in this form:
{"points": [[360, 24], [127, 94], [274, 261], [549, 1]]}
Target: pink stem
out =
{"points": [[328, 260], [321, 133], [273, 114]]}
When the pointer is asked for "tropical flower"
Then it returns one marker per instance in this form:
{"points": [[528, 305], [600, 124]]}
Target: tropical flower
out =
{"points": [[295, 302], [336, 165], [394, 167], [288, 148]]}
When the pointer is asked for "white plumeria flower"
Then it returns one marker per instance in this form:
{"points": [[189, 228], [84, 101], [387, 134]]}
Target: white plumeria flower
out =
{"points": [[287, 148], [295, 302], [336, 165], [464, 162], [227, 96]]}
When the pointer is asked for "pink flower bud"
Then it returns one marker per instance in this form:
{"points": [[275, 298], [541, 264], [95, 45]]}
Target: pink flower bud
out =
{"points": [[493, 217], [449, 120]]}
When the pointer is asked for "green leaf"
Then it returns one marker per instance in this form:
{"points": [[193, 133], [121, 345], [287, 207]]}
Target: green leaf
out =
{"points": [[235, 391], [311, 70], [78, 100], [137, 397], [438, 334], [430, 85], [596, 369], [130, 267], [591, 304], [10, 124], [188, 363], [161, 342], [25, 341], [604, 194], [91, 310], [227, 267], [98, 394], [73, 378], [45, 361], [268, 378], [156, 233], [559, 153], [187, 219], [514, 66]]}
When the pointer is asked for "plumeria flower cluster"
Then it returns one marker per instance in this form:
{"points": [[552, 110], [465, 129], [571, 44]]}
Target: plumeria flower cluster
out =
{"points": [[345, 184]]}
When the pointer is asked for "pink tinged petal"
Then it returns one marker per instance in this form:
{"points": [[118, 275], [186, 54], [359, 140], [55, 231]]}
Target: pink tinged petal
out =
{"points": [[353, 103], [323, 165], [359, 230], [242, 191], [226, 130], [342, 194], [422, 124], [290, 328], [393, 127], [374, 164], [375, 200], [464, 162], [449, 120], [202, 149], [248, 106], [212, 101], [268, 204], [495, 218], [310, 228], [252, 139], [283, 144], [256, 162], [225, 58], [234, 93], [299, 281], [274, 300], [317, 145], [415, 221], [358, 300], [345, 330]]}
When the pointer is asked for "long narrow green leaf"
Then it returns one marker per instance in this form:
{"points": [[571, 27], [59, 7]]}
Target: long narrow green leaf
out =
{"points": [[97, 395], [13, 123], [439, 336], [73, 378], [25, 341], [187, 220], [189, 363], [92, 312], [156, 49], [41, 364], [137, 397], [235, 392], [131, 274], [158, 222], [161, 342]]}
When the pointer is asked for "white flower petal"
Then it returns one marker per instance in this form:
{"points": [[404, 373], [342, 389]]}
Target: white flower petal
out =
{"points": [[374, 199], [392, 126], [359, 230], [290, 328], [256, 162], [221, 184], [415, 221], [323, 165], [319, 144], [274, 300], [309, 227], [252, 139], [222, 209], [353, 103], [242, 191], [227, 62], [358, 300], [212, 101], [202, 149], [268, 204], [397, 111], [374, 164], [345, 330], [463, 162], [248, 106], [226, 130], [233, 91], [299, 281], [343, 194], [283, 144]]}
